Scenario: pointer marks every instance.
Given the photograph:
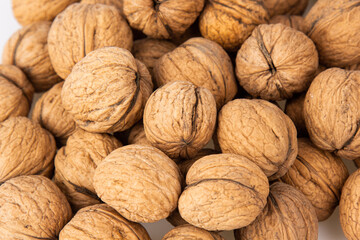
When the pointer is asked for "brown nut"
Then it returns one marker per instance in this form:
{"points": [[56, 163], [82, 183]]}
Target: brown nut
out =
{"points": [[137, 135], [288, 215], [294, 108], [107, 90], [288, 7], [202, 62], [275, 62], [140, 182], [101, 222], [260, 131], [16, 92], [179, 119], [175, 218], [186, 232], [25, 149], [28, 49], [294, 21], [32, 207], [353, 67], [224, 192], [162, 19], [357, 162], [116, 3], [82, 28]]}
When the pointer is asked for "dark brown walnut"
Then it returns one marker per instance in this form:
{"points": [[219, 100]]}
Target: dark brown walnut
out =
{"points": [[32, 207], [82, 28], [353, 67], [224, 192], [25, 149], [294, 108], [335, 30], [294, 21], [175, 218], [331, 112], [140, 182], [286, 7], [230, 22], [28, 49], [202, 62], [101, 222], [163, 19], [275, 62], [186, 232], [116, 3], [179, 119], [107, 90], [16, 92], [357, 162], [288, 215], [260, 131], [137, 135], [319, 175]]}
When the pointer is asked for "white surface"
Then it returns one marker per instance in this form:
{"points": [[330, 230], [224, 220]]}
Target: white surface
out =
{"points": [[328, 230]]}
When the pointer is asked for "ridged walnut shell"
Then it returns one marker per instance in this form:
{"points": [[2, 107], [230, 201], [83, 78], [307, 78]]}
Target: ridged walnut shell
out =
{"points": [[288, 215], [137, 135], [140, 182], [116, 3], [82, 28], [186, 232], [294, 108], [293, 21], [32, 207], [275, 62], [107, 90], [260, 131], [224, 192], [288, 7]]}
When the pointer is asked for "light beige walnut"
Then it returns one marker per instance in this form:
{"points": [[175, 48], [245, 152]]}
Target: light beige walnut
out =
{"points": [[294, 21], [137, 135], [294, 108], [186, 232], [116, 3], [286, 7]]}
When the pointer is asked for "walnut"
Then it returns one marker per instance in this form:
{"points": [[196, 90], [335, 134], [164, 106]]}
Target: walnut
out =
{"points": [[202, 62], [162, 19], [288, 7], [140, 182], [294, 21], [230, 192], [32, 207], [353, 67], [116, 3], [288, 214], [357, 162], [175, 218], [102, 222], [28, 49], [137, 135], [231, 25], [107, 90], [294, 108], [331, 112], [25, 149], [179, 119], [186, 232], [275, 62], [82, 28], [264, 134], [16, 92]]}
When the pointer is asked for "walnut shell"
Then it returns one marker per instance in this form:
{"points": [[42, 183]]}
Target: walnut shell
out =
{"points": [[231, 25], [137, 135], [28, 49], [140, 182], [260, 131], [186, 232], [116, 3], [294, 21], [319, 175], [179, 119], [357, 162], [16, 92], [101, 222], [202, 62], [107, 90], [353, 67], [175, 218], [25, 149], [331, 112], [32, 207], [275, 62], [82, 28], [294, 108], [162, 18], [224, 192], [288, 215], [288, 7]]}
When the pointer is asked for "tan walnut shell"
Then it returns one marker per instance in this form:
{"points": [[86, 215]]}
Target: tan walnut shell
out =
{"points": [[319, 175], [202, 62], [260, 131], [179, 119], [186, 232], [224, 192], [137, 135], [32, 207], [82, 28], [25, 149], [107, 90], [102, 222], [286, 7], [28, 49], [163, 19], [294, 21], [230, 22], [116, 3], [140, 182], [288, 215], [331, 112], [294, 108], [16, 92], [275, 62]]}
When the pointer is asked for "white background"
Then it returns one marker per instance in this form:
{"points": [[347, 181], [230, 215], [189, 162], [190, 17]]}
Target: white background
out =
{"points": [[328, 230]]}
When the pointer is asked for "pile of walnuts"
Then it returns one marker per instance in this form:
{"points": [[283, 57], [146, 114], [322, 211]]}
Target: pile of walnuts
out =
{"points": [[133, 92]]}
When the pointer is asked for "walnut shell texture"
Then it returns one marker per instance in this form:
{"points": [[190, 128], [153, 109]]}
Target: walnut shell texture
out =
{"points": [[294, 21], [294, 108], [116, 3], [137, 135], [186, 232], [175, 218], [287, 7]]}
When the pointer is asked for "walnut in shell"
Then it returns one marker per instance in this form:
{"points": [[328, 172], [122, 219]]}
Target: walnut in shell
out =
{"points": [[116, 3], [294, 108], [275, 62], [186, 232], [137, 135], [32, 207], [294, 21], [288, 7]]}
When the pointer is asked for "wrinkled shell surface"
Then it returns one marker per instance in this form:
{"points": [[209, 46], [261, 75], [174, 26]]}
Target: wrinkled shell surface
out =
{"points": [[187, 232], [117, 3], [137, 135], [175, 218], [294, 108], [294, 21], [288, 7]]}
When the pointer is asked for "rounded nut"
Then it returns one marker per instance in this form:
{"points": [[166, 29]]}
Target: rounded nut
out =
{"points": [[116, 3], [175, 218], [294, 108], [137, 135], [288, 7], [294, 21], [186, 232]]}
